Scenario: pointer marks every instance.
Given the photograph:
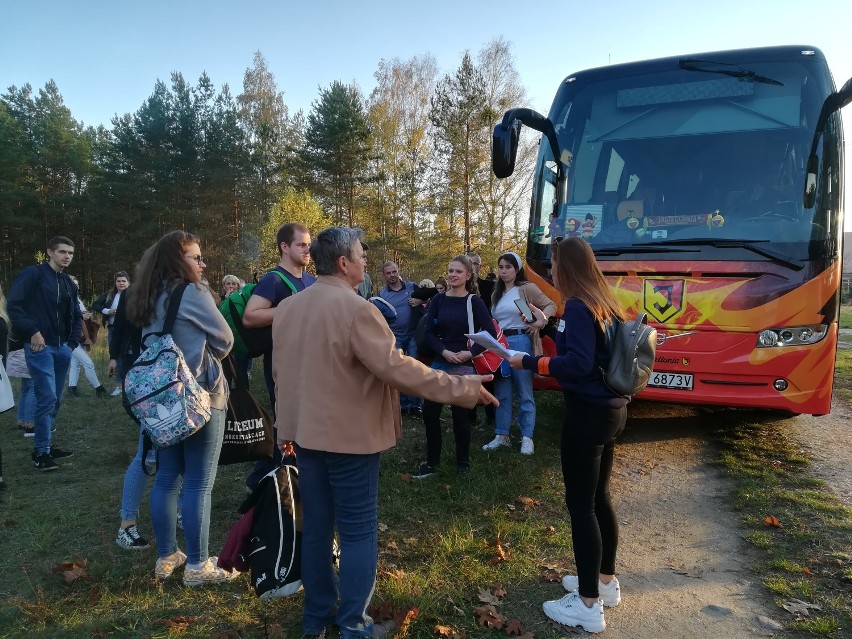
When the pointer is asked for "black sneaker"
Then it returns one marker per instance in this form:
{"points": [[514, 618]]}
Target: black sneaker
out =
{"points": [[423, 471], [45, 462], [100, 391], [72, 391], [130, 538], [415, 411], [58, 453], [29, 431], [462, 470]]}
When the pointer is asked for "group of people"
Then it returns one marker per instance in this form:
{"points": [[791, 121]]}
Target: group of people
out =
{"points": [[324, 332]]}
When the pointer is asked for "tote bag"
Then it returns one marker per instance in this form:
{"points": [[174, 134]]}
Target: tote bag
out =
{"points": [[248, 427], [7, 399]]}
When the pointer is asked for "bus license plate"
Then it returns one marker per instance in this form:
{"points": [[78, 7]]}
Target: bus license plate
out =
{"points": [[679, 381]]}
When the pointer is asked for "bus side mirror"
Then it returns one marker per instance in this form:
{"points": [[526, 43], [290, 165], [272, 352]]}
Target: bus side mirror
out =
{"points": [[504, 148], [833, 102]]}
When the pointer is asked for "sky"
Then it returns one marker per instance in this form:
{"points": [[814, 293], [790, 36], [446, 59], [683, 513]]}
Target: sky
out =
{"points": [[106, 56]]}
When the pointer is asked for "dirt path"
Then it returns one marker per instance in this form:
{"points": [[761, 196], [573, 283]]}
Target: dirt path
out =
{"points": [[683, 565]]}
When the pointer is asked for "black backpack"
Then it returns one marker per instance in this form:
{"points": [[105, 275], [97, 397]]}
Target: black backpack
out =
{"points": [[423, 349], [274, 551]]}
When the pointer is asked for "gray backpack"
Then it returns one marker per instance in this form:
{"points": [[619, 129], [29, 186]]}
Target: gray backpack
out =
{"points": [[633, 346]]}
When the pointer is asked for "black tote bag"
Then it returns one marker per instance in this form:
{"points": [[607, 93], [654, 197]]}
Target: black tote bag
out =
{"points": [[248, 428]]}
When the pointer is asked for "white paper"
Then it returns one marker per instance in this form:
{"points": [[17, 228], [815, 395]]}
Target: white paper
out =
{"points": [[486, 340]]}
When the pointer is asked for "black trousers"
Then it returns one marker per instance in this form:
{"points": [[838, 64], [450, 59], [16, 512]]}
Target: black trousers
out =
{"points": [[461, 430], [587, 451]]}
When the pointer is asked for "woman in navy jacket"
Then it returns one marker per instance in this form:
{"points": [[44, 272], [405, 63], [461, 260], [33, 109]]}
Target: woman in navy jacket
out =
{"points": [[594, 417]]}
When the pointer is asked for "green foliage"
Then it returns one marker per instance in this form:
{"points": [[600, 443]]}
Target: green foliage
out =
{"points": [[292, 206], [409, 165]]}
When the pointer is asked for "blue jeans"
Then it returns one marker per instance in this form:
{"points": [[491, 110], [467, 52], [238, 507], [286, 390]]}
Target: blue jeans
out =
{"points": [[339, 490], [195, 459], [521, 382], [135, 481], [48, 368], [26, 402], [408, 346]]}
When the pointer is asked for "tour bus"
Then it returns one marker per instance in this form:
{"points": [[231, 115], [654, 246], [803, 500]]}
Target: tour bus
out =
{"points": [[710, 187]]}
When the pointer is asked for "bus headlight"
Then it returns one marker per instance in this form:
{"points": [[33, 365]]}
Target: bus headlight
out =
{"points": [[791, 335]]}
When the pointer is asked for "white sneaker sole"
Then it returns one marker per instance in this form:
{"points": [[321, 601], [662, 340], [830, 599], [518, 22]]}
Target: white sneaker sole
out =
{"points": [[555, 613]]}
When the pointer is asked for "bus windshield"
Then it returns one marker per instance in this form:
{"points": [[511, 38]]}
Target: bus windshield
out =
{"points": [[701, 152]]}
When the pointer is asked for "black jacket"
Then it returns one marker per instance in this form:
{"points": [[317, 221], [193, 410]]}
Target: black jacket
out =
{"points": [[33, 305]]}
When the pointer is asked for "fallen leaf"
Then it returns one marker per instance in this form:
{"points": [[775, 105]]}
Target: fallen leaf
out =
{"points": [[528, 502], [404, 619], [807, 570], [502, 555], [550, 529], [514, 627], [551, 576], [406, 477], [771, 520], [178, 622], [498, 590], [71, 571], [799, 607], [488, 616], [486, 597], [449, 632], [382, 527], [10, 523]]}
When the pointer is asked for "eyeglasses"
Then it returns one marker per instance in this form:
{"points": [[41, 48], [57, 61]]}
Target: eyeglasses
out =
{"points": [[197, 258]]}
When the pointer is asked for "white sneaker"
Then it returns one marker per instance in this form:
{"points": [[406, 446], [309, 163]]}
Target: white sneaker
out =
{"points": [[527, 446], [571, 611], [116, 392], [499, 440], [167, 565], [610, 594], [207, 573]]}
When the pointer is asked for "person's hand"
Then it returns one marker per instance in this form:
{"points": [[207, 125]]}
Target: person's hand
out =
{"points": [[451, 357], [464, 356], [540, 317], [484, 396], [516, 361], [87, 315], [413, 301], [112, 367], [37, 342]]}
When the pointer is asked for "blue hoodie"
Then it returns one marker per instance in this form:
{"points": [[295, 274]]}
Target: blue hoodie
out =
{"points": [[580, 346], [34, 303]]}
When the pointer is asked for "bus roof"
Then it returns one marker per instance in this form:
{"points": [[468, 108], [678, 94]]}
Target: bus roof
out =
{"points": [[731, 56]]}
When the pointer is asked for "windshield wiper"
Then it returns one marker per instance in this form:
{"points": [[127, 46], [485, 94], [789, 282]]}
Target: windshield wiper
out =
{"points": [[748, 245], [636, 248], [692, 64]]}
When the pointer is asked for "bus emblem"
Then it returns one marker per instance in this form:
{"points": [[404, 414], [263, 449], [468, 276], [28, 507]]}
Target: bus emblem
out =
{"points": [[664, 299]]}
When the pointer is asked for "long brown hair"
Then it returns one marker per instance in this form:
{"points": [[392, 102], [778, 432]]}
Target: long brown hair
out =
{"points": [[578, 276], [162, 265], [470, 285]]}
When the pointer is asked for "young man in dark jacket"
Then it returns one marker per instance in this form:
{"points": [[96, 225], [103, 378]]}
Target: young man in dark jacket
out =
{"points": [[43, 308]]}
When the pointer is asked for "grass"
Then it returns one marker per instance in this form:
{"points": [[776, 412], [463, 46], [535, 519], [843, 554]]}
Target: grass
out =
{"points": [[436, 545], [434, 553], [846, 316], [808, 556]]}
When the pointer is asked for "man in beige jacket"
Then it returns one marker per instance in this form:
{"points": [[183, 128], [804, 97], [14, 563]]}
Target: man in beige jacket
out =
{"points": [[338, 375]]}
